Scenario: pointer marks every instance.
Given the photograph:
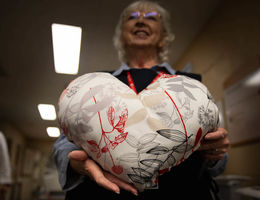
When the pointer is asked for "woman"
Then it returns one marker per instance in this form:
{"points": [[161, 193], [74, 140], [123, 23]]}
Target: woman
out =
{"points": [[142, 39]]}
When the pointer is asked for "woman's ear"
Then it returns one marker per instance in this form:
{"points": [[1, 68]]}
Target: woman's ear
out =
{"points": [[162, 42]]}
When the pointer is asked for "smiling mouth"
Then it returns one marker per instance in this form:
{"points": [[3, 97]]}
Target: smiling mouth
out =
{"points": [[141, 33]]}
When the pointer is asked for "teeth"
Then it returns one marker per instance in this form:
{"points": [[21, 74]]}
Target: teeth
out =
{"points": [[141, 33]]}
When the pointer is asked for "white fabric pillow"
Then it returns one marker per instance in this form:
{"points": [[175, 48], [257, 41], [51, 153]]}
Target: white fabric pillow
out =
{"points": [[137, 137]]}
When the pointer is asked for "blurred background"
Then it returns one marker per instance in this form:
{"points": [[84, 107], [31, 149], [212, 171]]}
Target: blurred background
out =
{"points": [[218, 39]]}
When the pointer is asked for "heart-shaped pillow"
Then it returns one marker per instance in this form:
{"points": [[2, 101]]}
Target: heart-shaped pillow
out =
{"points": [[137, 137]]}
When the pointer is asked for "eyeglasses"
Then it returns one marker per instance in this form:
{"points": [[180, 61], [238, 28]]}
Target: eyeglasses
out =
{"points": [[149, 15]]}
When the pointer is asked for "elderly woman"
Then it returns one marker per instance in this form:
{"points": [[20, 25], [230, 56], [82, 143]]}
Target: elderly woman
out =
{"points": [[142, 39]]}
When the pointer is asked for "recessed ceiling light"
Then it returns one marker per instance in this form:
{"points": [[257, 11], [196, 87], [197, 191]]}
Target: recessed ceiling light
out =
{"points": [[53, 131], [66, 48], [47, 111]]}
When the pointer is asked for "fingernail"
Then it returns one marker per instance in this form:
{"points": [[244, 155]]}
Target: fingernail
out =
{"points": [[117, 191], [135, 193]]}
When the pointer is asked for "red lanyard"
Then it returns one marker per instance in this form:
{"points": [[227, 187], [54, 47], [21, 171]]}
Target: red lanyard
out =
{"points": [[131, 82]]}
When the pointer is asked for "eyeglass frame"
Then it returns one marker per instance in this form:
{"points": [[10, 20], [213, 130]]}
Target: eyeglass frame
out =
{"points": [[145, 15]]}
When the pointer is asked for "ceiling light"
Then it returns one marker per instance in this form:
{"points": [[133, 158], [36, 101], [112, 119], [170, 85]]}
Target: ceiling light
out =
{"points": [[53, 131], [253, 79], [47, 111], [66, 48]]}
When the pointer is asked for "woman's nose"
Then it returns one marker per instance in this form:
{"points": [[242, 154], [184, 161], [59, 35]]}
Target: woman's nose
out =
{"points": [[140, 21]]}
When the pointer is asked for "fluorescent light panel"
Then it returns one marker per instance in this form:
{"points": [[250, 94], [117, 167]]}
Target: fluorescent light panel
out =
{"points": [[47, 111], [66, 48], [53, 131], [254, 79]]}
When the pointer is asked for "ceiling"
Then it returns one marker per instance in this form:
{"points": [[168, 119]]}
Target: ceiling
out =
{"points": [[27, 75]]}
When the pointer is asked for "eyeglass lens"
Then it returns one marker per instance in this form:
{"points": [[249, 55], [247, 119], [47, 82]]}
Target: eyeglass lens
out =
{"points": [[135, 15]]}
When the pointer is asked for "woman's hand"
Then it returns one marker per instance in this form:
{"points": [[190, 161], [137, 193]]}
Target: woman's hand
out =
{"points": [[82, 164], [215, 145]]}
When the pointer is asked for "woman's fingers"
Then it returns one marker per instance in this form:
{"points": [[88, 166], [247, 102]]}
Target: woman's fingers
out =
{"points": [[79, 155], [96, 173], [215, 145], [215, 140], [122, 184], [81, 163], [219, 134]]}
